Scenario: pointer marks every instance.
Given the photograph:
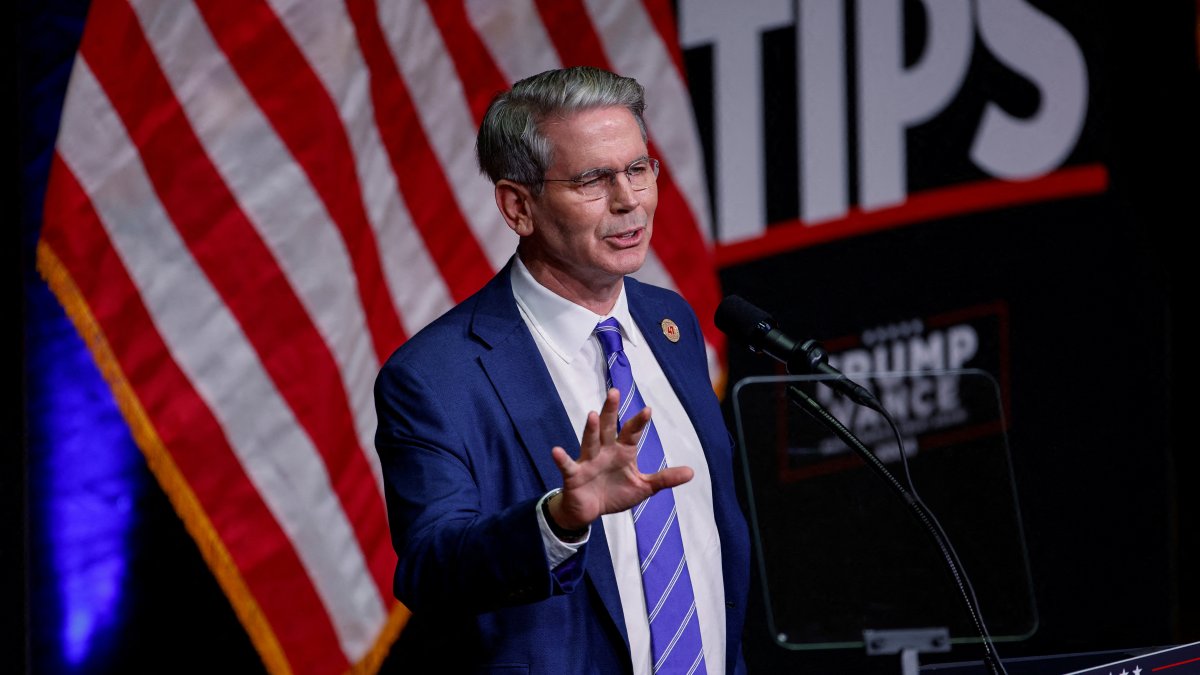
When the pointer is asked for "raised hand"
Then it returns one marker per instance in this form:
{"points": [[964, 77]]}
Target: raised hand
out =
{"points": [[605, 478]]}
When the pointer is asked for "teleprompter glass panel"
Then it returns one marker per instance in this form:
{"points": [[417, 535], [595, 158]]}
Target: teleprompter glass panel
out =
{"points": [[838, 550]]}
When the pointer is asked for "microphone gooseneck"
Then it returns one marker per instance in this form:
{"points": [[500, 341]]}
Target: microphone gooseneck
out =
{"points": [[747, 323]]}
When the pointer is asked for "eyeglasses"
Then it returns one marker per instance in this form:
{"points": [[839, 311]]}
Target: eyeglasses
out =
{"points": [[598, 183]]}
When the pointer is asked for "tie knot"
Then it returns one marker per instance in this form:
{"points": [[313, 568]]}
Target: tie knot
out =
{"points": [[610, 336]]}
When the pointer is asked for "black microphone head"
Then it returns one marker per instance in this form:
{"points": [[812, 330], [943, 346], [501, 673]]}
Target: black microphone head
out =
{"points": [[741, 320]]}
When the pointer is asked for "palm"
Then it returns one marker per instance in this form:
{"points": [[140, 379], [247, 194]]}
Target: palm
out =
{"points": [[605, 478]]}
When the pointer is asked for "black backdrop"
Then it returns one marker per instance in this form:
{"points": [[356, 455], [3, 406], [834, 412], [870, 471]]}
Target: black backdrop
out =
{"points": [[1097, 339], [1097, 294]]}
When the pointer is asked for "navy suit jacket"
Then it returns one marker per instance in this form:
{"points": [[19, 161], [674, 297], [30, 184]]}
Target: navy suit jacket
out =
{"points": [[468, 414]]}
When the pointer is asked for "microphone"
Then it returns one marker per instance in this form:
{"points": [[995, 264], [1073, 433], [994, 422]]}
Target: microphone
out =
{"points": [[746, 323]]}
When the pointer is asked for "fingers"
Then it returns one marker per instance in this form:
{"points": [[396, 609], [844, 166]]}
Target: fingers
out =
{"points": [[608, 415], [670, 477], [566, 465], [609, 421], [600, 429], [634, 426], [591, 439]]}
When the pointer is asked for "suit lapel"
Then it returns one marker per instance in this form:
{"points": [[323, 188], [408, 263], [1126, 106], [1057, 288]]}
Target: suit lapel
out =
{"points": [[686, 379], [515, 368], [523, 385]]}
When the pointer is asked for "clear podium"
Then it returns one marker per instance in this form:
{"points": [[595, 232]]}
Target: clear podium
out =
{"points": [[843, 563]]}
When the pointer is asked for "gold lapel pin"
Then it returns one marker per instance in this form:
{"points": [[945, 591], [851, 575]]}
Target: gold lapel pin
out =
{"points": [[670, 330]]}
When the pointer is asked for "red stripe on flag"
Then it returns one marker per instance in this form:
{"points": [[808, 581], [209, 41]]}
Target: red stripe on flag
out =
{"points": [[571, 31], [430, 199], [197, 446], [480, 76], [259, 48], [676, 239], [240, 267]]}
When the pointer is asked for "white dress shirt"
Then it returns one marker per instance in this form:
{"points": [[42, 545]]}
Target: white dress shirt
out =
{"points": [[562, 331]]}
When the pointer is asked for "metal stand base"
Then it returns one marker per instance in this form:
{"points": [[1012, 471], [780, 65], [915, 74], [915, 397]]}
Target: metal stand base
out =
{"points": [[909, 643]]}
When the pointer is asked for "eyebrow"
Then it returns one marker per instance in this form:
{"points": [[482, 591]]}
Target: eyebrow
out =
{"points": [[605, 168]]}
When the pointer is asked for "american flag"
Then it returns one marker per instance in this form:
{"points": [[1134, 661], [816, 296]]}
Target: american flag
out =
{"points": [[253, 202]]}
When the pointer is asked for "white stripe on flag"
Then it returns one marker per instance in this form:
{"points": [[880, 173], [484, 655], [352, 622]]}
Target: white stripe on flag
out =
{"points": [[515, 36], [206, 342]]}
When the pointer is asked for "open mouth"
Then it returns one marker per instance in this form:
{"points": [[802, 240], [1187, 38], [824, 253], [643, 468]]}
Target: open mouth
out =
{"points": [[629, 237]]}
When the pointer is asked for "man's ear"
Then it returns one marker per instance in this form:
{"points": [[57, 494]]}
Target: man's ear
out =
{"points": [[516, 205]]}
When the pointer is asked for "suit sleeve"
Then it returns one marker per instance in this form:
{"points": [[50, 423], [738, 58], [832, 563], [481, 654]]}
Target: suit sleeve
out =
{"points": [[453, 553]]}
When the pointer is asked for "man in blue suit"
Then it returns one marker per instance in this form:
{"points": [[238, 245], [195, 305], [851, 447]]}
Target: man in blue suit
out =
{"points": [[510, 498]]}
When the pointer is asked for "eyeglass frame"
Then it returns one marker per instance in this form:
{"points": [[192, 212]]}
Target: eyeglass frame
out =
{"points": [[610, 176]]}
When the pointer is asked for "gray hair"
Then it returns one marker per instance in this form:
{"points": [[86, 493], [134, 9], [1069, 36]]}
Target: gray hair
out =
{"points": [[511, 144]]}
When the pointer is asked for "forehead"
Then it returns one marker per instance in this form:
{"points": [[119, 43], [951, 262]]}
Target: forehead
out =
{"points": [[597, 138]]}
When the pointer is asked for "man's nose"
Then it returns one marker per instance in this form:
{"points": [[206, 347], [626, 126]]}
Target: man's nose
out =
{"points": [[622, 197]]}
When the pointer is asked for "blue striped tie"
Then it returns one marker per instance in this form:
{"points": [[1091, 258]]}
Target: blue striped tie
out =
{"points": [[674, 629]]}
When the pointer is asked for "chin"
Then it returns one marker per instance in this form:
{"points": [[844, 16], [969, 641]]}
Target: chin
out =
{"points": [[629, 261]]}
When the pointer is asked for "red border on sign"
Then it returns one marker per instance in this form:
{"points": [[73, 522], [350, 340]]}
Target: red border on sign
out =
{"points": [[956, 200]]}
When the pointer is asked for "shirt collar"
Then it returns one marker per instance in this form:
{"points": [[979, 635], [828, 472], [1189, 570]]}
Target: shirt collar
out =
{"points": [[564, 325]]}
